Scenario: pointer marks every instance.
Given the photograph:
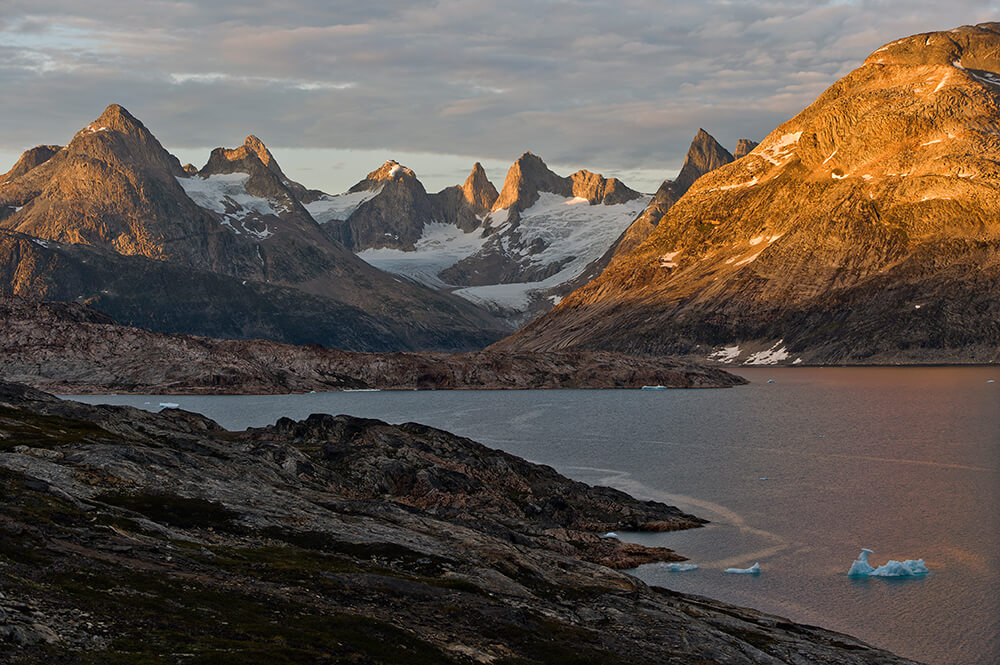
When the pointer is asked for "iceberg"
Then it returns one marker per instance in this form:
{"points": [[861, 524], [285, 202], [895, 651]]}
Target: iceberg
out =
{"points": [[654, 388], [892, 568], [752, 570], [169, 405], [678, 567], [610, 534]]}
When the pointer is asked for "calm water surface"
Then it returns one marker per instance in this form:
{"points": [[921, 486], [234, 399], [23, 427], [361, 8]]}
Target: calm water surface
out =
{"points": [[797, 474]]}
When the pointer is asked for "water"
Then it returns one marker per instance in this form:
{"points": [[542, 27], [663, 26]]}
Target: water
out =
{"points": [[798, 474]]}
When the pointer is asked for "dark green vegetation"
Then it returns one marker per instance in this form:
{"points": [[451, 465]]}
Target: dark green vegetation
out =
{"points": [[135, 538]]}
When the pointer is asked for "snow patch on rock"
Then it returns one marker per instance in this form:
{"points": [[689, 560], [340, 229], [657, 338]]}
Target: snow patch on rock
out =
{"points": [[771, 356], [328, 208]]}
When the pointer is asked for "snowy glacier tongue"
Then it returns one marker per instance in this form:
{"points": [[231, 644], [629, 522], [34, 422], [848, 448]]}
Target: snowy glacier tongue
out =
{"points": [[892, 568]]}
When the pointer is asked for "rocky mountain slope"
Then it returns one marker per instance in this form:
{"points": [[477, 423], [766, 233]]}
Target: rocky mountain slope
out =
{"points": [[116, 190], [68, 348], [128, 536], [863, 230]]}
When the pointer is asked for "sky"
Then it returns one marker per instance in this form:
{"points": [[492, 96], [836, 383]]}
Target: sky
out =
{"points": [[335, 88]]}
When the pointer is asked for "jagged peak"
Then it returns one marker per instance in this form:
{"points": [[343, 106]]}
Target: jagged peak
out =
{"points": [[744, 147], [597, 189], [478, 191], [248, 158], [257, 147], [705, 154], [527, 176]]}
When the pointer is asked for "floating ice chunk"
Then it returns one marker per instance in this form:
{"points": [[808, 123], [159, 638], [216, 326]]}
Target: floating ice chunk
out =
{"points": [[654, 388], [893, 568], [610, 534], [169, 405], [752, 570], [990, 380], [678, 567]]}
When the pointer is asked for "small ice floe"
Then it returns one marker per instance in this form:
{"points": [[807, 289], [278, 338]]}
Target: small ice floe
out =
{"points": [[752, 570], [678, 567], [654, 388], [169, 405], [893, 568], [610, 534], [990, 380]]}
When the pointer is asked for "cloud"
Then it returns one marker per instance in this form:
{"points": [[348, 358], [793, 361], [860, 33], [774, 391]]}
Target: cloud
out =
{"points": [[623, 85]]}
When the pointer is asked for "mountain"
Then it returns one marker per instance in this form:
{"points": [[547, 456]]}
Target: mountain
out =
{"points": [[705, 154], [238, 220], [864, 229], [743, 148], [29, 160], [466, 205], [390, 209], [508, 252]]}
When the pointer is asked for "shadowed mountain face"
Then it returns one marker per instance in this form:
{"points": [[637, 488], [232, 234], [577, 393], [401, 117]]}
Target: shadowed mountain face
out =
{"points": [[865, 229], [239, 219]]}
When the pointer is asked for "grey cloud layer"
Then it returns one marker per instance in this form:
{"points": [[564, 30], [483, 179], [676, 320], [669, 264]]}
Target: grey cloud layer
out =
{"points": [[624, 84]]}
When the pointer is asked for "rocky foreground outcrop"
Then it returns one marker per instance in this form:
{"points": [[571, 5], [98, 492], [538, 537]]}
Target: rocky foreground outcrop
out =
{"points": [[69, 348], [127, 536]]}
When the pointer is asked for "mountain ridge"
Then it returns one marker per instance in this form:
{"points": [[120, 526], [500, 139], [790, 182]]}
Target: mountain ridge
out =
{"points": [[887, 183]]}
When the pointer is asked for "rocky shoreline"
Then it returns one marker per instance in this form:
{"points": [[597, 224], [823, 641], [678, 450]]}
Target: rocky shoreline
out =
{"points": [[70, 348], [134, 537]]}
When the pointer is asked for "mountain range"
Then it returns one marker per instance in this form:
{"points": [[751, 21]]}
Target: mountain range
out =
{"points": [[237, 249], [863, 230], [113, 220]]}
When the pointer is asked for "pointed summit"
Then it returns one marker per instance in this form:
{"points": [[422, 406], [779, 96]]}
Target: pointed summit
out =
{"points": [[704, 155], [525, 178], [744, 147], [478, 191], [257, 147]]}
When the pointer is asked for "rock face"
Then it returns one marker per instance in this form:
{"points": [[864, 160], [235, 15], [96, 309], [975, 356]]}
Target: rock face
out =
{"points": [[70, 348], [744, 147], [239, 220], [394, 216], [127, 535], [865, 229], [29, 160], [704, 155], [465, 206]]}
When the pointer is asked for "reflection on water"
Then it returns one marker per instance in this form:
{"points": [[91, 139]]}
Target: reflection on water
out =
{"points": [[798, 474]]}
